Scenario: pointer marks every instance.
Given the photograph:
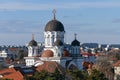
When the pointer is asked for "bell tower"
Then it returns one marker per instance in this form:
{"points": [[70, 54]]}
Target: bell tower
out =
{"points": [[32, 47]]}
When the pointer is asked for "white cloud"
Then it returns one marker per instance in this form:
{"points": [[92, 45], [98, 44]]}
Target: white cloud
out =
{"points": [[40, 6]]}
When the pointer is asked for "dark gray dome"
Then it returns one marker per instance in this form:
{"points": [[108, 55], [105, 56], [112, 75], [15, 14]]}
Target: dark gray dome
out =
{"points": [[58, 43], [54, 25], [32, 43], [75, 43]]}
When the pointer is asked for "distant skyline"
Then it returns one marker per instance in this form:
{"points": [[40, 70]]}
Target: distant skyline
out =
{"points": [[93, 21]]}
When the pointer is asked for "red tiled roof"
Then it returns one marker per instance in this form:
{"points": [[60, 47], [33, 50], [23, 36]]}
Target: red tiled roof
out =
{"points": [[47, 53], [13, 49], [101, 54], [50, 66], [87, 54], [15, 76], [117, 64], [11, 73], [7, 71], [66, 53], [87, 64]]}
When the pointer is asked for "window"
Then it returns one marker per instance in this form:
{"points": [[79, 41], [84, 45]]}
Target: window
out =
{"points": [[48, 40]]}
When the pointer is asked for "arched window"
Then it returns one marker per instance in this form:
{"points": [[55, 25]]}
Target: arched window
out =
{"points": [[76, 50], [48, 39], [53, 39]]}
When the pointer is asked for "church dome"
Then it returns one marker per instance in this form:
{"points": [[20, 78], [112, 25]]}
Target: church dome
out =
{"points": [[58, 43], [47, 53], [32, 43], [54, 25], [75, 43]]}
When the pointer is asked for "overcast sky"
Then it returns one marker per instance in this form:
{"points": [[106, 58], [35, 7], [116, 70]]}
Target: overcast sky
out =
{"points": [[96, 21]]}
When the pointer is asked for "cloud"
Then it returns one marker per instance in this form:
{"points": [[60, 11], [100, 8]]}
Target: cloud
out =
{"points": [[40, 6]]}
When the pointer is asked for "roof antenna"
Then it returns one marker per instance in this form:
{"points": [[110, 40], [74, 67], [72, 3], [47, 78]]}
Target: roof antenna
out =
{"points": [[75, 36], [54, 14], [32, 36]]}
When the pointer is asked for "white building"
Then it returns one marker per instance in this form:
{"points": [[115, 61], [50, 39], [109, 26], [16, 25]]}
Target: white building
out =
{"points": [[5, 54], [55, 48]]}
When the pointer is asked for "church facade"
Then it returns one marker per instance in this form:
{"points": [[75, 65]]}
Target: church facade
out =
{"points": [[55, 49]]}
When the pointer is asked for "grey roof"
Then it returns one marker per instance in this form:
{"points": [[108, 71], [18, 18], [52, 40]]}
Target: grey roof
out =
{"points": [[75, 43], [58, 43], [54, 25], [32, 43], [90, 45]]}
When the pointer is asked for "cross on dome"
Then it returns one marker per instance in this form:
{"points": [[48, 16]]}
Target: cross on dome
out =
{"points": [[32, 36], [75, 35], [54, 14]]}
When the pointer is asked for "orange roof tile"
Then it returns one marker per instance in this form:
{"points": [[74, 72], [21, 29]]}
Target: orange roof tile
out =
{"points": [[15, 76], [66, 53], [50, 66], [7, 71], [47, 53], [87, 54], [13, 49], [117, 64]]}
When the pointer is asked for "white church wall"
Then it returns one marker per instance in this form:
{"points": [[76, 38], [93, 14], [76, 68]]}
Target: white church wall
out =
{"points": [[52, 36], [29, 62]]}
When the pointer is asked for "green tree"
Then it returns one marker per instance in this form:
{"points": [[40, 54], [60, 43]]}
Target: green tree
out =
{"points": [[70, 75], [41, 75], [105, 66], [57, 75], [77, 74], [96, 75], [44, 75]]}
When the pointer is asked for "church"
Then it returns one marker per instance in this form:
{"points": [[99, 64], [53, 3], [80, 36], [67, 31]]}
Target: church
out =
{"points": [[55, 49]]}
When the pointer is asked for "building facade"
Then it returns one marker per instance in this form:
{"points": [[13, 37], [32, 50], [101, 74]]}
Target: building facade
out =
{"points": [[55, 49]]}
